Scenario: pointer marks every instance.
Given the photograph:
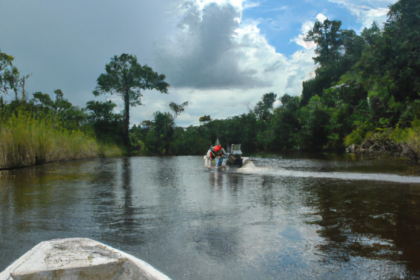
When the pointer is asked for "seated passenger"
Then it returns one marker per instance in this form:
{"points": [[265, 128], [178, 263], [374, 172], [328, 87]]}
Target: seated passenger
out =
{"points": [[217, 152]]}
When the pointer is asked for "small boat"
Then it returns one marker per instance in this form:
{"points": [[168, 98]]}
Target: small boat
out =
{"points": [[78, 258], [233, 160]]}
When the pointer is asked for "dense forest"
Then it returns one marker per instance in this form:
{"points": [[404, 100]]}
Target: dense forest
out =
{"points": [[366, 86]]}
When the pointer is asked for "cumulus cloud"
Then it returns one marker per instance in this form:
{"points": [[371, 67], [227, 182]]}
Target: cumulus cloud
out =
{"points": [[217, 57], [215, 49], [204, 53]]}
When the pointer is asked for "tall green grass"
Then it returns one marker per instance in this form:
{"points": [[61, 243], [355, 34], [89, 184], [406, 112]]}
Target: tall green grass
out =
{"points": [[27, 140]]}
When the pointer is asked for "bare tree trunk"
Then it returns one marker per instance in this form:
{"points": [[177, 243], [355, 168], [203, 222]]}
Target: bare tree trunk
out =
{"points": [[126, 138], [22, 84]]}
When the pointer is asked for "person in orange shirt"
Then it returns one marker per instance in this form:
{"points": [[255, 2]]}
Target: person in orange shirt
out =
{"points": [[217, 152]]}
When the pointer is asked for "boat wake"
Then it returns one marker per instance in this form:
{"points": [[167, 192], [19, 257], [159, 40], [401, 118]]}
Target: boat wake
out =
{"points": [[250, 168]]}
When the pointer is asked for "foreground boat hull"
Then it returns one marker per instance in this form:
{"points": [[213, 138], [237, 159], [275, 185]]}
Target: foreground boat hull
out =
{"points": [[78, 258]]}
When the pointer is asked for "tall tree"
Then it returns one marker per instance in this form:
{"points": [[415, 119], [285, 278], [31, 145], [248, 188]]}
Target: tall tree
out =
{"points": [[337, 51], [126, 77], [327, 36]]}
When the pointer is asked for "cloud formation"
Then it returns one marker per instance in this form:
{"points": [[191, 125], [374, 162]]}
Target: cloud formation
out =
{"points": [[216, 57], [204, 54]]}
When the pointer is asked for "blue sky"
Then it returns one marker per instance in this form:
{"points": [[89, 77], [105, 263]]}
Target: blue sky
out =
{"points": [[219, 55], [281, 21]]}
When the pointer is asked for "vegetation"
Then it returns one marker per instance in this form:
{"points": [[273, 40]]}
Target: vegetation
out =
{"points": [[126, 77], [28, 140], [366, 86], [41, 129]]}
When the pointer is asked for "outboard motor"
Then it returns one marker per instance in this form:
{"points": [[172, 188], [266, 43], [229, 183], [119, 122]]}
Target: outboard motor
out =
{"points": [[235, 156]]}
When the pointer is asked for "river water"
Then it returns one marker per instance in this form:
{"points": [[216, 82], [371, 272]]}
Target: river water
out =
{"points": [[292, 216]]}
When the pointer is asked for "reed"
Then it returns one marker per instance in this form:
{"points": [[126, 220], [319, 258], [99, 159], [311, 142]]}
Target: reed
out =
{"points": [[26, 140]]}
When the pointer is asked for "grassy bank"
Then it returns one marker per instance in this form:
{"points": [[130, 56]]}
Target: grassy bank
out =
{"points": [[26, 140]]}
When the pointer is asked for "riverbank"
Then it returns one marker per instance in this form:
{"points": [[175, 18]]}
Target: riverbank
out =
{"points": [[404, 143], [27, 141]]}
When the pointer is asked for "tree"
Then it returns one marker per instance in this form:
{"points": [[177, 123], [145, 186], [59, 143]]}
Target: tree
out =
{"points": [[5, 65], [285, 123], [314, 133], [10, 77], [337, 51], [101, 110], [71, 116], [160, 136], [126, 77], [205, 118], [327, 36], [16, 82], [178, 109], [59, 106], [147, 124], [263, 108]]}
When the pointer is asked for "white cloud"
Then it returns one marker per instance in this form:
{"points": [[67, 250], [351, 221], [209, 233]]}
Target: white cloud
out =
{"points": [[320, 17], [234, 3], [367, 11], [379, 15], [248, 5]]}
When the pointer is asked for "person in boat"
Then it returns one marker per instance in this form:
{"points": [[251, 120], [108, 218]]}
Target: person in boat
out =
{"points": [[217, 152]]}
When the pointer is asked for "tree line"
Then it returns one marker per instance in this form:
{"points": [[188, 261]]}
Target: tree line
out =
{"points": [[364, 85]]}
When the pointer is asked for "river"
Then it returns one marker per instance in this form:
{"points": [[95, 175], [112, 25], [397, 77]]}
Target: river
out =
{"points": [[291, 216]]}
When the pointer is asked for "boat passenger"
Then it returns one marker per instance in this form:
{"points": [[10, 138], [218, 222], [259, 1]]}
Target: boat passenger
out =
{"points": [[217, 152]]}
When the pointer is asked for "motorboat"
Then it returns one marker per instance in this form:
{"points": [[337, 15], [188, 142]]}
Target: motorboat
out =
{"points": [[233, 159]]}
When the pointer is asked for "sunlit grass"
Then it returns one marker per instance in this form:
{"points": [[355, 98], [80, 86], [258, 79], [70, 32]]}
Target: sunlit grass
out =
{"points": [[26, 140]]}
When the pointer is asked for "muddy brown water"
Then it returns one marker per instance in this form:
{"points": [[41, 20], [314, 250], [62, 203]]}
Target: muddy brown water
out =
{"points": [[291, 216]]}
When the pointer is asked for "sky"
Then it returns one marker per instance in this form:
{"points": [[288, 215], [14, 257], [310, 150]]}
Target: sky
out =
{"points": [[219, 55]]}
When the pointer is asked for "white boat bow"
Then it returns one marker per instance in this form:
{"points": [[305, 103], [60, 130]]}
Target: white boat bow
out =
{"points": [[78, 258]]}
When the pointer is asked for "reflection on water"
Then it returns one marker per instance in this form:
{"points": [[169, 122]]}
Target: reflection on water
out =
{"points": [[377, 221], [194, 224]]}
